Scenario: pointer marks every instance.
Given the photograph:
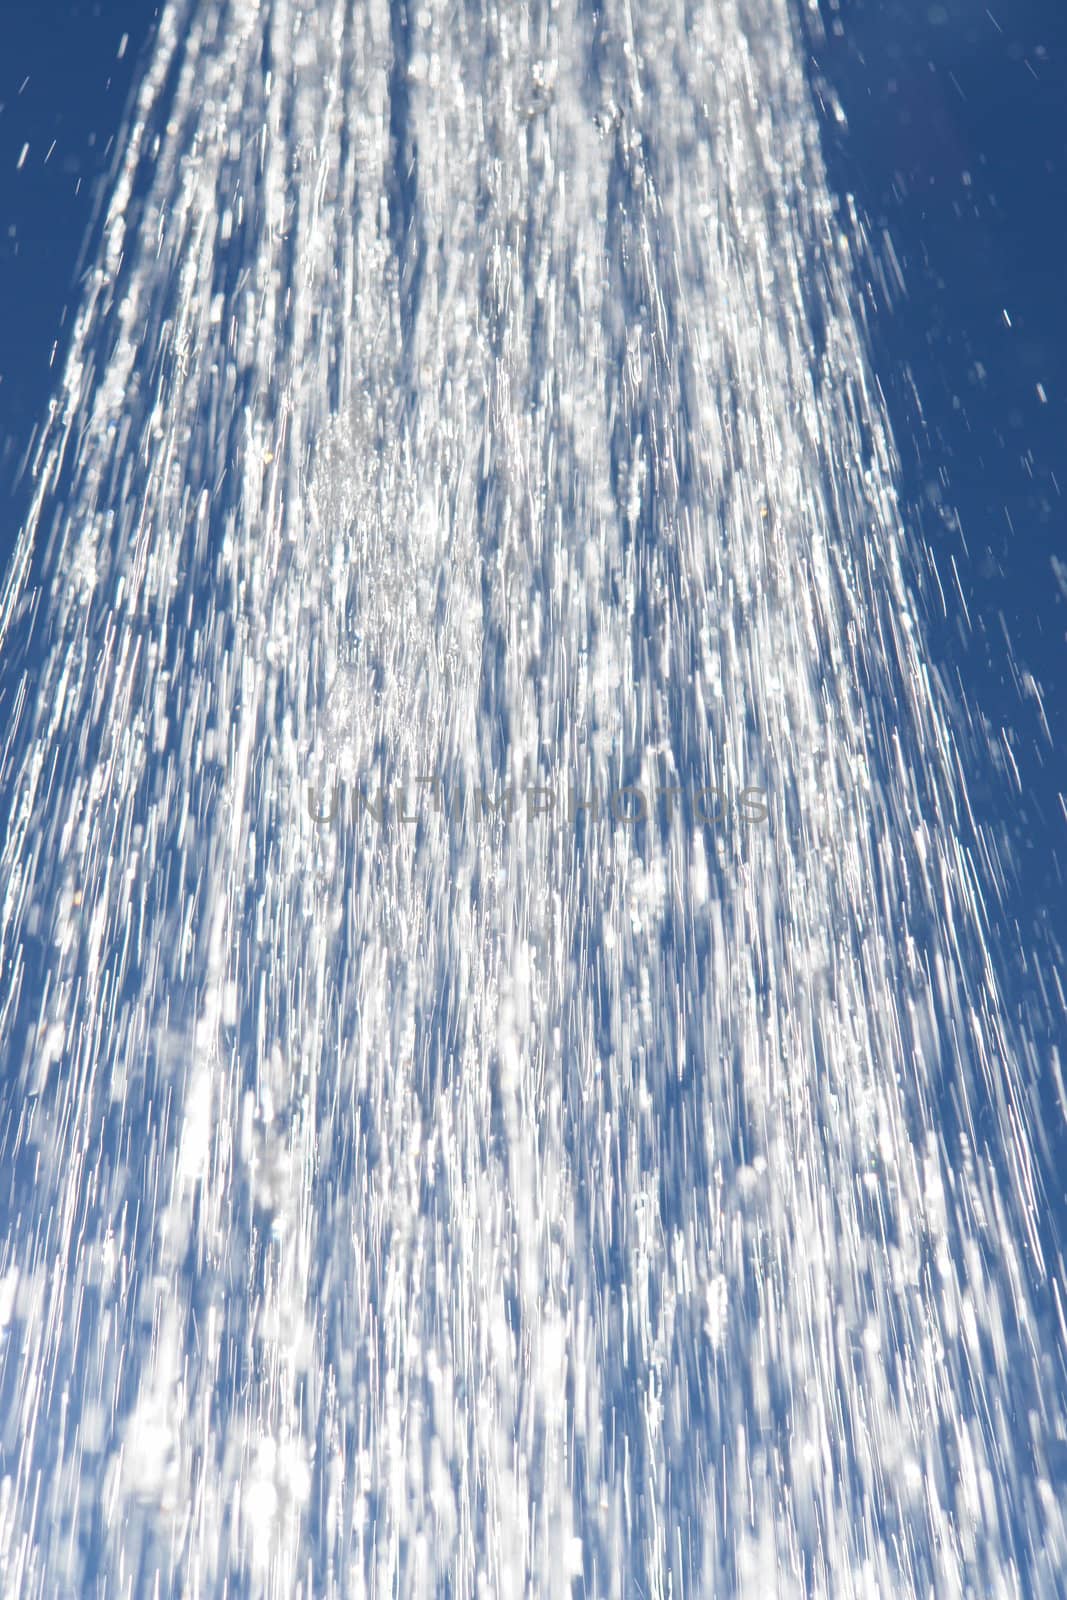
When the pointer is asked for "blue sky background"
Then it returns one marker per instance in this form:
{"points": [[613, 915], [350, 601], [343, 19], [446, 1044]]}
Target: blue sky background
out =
{"points": [[63, 89], [955, 148], [956, 145]]}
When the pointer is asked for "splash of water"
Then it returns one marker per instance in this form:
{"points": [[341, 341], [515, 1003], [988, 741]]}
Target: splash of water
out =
{"points": [[497, 1204]]}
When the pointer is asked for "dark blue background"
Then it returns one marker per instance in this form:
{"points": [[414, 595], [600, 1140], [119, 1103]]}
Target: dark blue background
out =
{"points": [[61, 82], [956, 146]]}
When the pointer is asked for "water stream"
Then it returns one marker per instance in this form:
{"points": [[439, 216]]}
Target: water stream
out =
{"points": [[508, 1084]]}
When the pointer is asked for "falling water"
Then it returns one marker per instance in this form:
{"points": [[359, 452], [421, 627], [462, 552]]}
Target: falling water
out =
{"points": [[520, 1199]]}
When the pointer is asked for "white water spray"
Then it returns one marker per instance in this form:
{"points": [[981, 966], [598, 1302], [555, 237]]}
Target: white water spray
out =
{"points": [[497, 1204]]}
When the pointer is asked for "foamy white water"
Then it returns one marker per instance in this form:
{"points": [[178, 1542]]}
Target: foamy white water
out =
{"points": [[499, 1204]]}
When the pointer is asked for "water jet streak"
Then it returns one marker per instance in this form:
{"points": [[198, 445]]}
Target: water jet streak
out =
{"points": [[480, 1206]]}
